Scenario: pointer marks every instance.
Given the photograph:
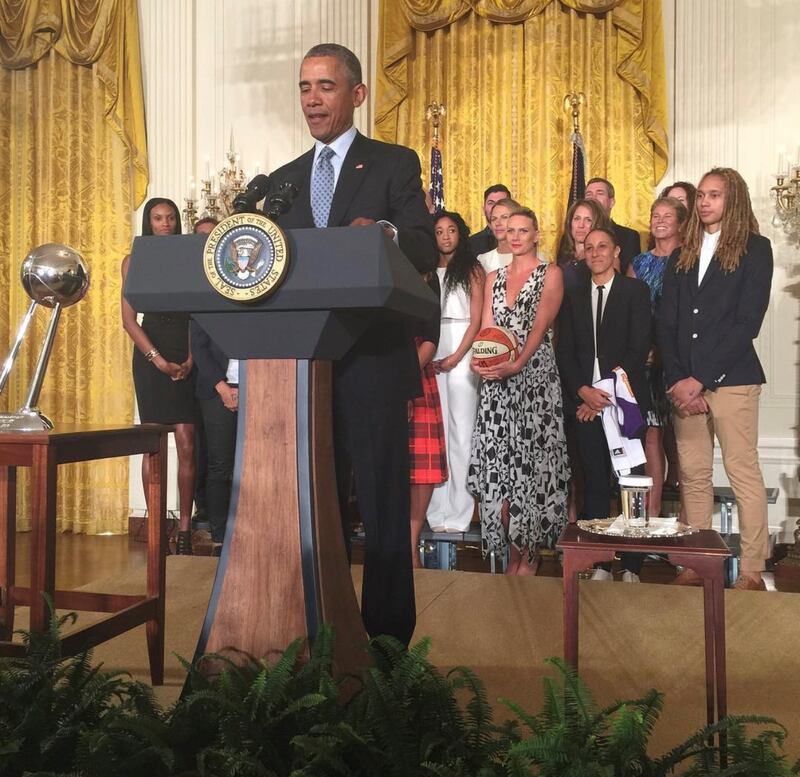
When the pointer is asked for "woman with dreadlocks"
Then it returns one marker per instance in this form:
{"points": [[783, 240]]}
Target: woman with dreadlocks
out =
{"points": [[715, 294], [461, 278]]}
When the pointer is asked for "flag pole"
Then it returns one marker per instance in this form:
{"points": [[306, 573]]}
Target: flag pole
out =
{"points": [[573, 102], [434, 113]]}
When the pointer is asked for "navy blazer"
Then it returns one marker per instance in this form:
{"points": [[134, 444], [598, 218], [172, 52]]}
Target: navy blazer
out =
{"points": [[624, 340], [379, 181], [210, 362], [707, 332]]}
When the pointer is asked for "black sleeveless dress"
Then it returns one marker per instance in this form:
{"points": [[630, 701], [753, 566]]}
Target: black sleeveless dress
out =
{"points": [[162, 400]]}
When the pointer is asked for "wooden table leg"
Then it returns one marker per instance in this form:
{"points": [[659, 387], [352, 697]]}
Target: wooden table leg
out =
{"points": [[8, 537], [43, 534], [156, 557], [719, 656], [709, 628], [572, 565]]}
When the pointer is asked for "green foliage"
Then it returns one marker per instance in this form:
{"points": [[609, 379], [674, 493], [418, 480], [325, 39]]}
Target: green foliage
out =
{"points": [[293, 717], [48, 704]]}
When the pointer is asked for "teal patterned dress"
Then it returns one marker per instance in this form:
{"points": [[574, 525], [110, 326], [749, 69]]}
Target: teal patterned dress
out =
{"points": [[650, 268]]}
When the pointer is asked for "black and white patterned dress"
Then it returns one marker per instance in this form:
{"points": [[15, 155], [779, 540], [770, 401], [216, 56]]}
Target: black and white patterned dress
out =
{"points": [[519, 451]]}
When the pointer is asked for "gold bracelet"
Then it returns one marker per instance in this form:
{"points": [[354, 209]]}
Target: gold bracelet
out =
{"points": [[150, 355]]}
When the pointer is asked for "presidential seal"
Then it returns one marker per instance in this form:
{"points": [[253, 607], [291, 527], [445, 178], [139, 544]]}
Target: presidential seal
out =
{"points": [[246, 257]]}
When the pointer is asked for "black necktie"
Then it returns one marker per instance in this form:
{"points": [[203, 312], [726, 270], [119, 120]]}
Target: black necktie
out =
{"points": [[599, 316]]}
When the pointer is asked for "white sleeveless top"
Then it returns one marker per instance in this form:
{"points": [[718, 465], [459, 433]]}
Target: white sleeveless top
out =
{"points": [[455, 307], [493, 260]]}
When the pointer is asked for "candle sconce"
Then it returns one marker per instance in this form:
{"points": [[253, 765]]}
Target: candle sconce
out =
{"points": [[786, 194], [217, 192]]}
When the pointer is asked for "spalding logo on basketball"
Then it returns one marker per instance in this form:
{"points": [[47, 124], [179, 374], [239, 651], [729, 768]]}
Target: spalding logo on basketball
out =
{"points": [[494, 345]]}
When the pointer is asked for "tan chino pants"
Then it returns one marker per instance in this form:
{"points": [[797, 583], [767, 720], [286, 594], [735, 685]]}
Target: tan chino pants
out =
{"points": [[733, 417]]}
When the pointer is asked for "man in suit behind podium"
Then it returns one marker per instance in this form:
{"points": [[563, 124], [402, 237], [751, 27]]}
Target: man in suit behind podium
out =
{"points": [[350, 180]]}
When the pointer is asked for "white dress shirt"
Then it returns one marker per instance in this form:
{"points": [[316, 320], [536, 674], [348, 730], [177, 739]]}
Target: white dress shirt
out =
{"points": [[595, 296], [707, 251], [232, 375]]}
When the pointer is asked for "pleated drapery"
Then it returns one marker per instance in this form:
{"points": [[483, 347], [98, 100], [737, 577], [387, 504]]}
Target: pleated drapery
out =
{"points": [[502, 68], [73, 168]]}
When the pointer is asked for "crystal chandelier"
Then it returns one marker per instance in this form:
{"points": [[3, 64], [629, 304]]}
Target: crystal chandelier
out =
{"points": [[787, 198], [217, 191]]}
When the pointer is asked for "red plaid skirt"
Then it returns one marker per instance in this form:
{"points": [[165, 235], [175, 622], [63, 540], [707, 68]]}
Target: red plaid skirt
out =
{"points": [[426, 434]]}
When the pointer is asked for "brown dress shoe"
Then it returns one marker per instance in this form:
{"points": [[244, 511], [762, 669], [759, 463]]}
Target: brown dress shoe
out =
{"points": [[745, 583], [688, 577]]}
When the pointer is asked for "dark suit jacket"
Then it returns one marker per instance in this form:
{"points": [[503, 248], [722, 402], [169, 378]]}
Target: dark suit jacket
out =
{"points": [[630, 245], [210, 362], [482, 241], [708, 332], [624, 341], [377, 181]]}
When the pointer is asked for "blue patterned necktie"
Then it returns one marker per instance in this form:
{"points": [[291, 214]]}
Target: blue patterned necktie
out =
{"points": [[322, 187]]}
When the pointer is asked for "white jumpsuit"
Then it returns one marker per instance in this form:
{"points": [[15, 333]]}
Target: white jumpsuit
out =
{"points": [[452, 505]]}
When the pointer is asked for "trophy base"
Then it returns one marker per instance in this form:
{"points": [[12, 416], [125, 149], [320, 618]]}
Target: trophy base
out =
{"points": [[27, 420]]}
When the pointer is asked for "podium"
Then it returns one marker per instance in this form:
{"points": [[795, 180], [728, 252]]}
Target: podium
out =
{"points": [[283, 569]]}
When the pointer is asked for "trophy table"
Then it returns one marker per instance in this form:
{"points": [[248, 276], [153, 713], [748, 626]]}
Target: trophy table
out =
{"points": [[55, 276]]}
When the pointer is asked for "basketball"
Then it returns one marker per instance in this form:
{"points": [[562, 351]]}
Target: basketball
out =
{"points": [[494, 345]]}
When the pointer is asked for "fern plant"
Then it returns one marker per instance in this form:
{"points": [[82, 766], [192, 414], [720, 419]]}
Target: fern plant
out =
{"points": [[48, 703], [401, 717], [572, 737], [409, 719]]}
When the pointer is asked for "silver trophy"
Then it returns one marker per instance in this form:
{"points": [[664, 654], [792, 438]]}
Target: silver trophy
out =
{"points": [[54, 276]]}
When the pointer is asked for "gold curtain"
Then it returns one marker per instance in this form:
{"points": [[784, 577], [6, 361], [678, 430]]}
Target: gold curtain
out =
{"points": [[502, 69], [73, 168]]}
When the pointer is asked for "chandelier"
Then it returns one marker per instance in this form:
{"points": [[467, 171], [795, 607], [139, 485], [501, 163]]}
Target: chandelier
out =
{"points": [[217, 191], [787, 198]]}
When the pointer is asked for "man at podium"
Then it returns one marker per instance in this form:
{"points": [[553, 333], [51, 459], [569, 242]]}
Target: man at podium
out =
{"points": [[350, 180]]}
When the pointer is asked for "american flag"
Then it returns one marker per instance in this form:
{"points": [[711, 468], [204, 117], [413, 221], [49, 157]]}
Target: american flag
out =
{"points": [[577, 183], [437, 180]]}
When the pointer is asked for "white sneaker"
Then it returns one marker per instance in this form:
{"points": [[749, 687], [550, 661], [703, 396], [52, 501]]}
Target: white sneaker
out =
{"points": [[602, 575], [630, 577]]}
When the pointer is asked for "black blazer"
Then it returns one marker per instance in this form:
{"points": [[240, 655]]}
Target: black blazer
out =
{"points": [[708, 332], [483, 241], [624, 341], [209, 360], [630, 245], [377, 181]]}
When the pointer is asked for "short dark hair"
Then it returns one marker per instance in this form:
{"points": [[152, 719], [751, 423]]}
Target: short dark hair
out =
{"points": [[608, 184], [609, 232], [204, 220], [343, 54], [498, 187]]}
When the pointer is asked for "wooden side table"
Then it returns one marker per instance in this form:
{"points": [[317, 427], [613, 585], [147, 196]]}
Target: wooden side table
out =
{"points": [[705, 552], [43, 452]]}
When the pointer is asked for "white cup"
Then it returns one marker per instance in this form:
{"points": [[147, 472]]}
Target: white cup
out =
{"points": [[634, 495]]}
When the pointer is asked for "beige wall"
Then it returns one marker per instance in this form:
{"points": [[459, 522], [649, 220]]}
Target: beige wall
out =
{"points": [[734, 102], [213, 65]]}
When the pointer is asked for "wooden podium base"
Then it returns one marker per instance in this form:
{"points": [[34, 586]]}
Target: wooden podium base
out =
{"points": [[283, 569]]}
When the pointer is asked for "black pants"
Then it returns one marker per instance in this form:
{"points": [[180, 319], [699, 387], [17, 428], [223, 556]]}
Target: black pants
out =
{"points": [[371, 440], [220, 432], [200, 463], [597, 473]]}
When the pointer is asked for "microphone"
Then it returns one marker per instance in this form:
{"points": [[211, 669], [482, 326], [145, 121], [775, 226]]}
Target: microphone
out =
{"points": [[256, 190], [280, 202]]}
